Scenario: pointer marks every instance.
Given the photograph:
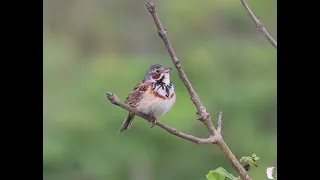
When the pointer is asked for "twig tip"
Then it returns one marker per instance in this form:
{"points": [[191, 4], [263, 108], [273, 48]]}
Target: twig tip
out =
{"points": [[112, 97], [109, 94], [151, 7]]}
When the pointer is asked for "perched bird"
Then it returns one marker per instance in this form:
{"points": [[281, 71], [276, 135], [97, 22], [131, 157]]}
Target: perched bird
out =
{"points": [[153, 96]]}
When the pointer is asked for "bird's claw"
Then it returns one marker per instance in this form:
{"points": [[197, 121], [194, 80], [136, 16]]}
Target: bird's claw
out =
{"points": [[154, 122]]}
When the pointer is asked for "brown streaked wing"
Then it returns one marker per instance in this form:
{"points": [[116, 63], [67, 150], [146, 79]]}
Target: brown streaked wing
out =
{"points": [[137, 93]]}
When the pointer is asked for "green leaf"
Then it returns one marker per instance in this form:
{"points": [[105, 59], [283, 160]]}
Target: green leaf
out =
{"points": [[220, 174], [255, 157], [213, 175], [249, 162], [225, 173]]}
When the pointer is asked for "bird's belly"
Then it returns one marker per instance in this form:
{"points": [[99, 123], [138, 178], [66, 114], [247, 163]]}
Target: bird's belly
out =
{"points": [[156, 106]]}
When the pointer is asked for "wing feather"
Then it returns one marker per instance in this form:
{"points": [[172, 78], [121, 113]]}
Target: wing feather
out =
{"points": [[137, 93]]}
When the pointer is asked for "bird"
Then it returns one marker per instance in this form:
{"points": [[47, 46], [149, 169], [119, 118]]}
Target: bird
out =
{"points": [[153, 96]]}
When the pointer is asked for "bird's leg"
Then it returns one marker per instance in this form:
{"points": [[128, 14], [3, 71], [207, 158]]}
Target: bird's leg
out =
{"points": [[154, 121]]}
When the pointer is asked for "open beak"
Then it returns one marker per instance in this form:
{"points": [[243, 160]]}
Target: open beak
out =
{"points": [[167, 69]]}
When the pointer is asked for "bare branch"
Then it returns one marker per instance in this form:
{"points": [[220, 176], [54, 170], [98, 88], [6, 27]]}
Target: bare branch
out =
{"points": [[203, 115], [219, 122], [259, 24], [114, 100]]}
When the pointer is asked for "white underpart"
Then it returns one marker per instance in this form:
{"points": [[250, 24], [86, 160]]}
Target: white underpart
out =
{"points": [[155, 106]]}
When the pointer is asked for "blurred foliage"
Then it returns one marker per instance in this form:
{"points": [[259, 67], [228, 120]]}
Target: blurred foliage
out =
{"points": [[91, 47]]}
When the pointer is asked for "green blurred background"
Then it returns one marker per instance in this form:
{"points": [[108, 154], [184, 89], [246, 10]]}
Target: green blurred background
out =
{"points": [[92, 47]]}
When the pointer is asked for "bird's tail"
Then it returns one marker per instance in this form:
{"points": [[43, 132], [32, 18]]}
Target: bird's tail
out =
{"points": [[127, 123]]}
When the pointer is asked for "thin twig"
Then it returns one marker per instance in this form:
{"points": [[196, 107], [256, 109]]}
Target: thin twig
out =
{"points": [[219, 122], [203, 115], [259, 24], [115, 100]]}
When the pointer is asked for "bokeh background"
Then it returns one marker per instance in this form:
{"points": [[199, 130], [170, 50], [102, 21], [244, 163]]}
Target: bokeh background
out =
{"points": [[92, 47]]}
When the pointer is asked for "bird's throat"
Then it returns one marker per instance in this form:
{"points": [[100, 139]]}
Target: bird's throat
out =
{"points": [[162, 88]]}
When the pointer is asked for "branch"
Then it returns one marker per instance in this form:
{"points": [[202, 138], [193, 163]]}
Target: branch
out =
{"points": [[219, 122], [259, 24], [114, 100], [203, 115]]}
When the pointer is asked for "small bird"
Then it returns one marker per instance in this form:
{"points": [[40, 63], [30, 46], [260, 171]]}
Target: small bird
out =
{"points": [[153, 96]]}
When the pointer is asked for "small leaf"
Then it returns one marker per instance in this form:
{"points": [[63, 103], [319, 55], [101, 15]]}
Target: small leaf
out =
{"points": [[255, 157], [213, 175], [225, 173], [249, 162], [220, 174]]}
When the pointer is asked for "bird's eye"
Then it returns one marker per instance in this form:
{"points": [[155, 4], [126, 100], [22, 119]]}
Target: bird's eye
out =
{"points": [[157, 71]]}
